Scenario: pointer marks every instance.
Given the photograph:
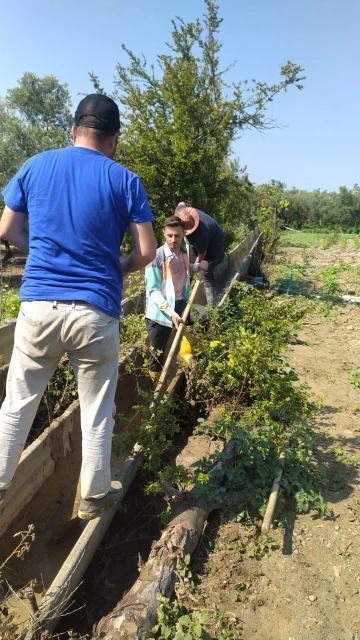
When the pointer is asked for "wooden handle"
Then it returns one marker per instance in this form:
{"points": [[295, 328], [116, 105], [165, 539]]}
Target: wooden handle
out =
{"points": [[179, 333], [269, 513]]}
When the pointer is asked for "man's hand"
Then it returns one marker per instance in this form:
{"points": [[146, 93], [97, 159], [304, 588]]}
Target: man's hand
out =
{"points": [[14, 229], [177, 320], [203, 265]]}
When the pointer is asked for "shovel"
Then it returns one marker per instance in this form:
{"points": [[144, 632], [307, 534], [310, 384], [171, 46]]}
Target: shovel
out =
{"points": [[65, 529]]}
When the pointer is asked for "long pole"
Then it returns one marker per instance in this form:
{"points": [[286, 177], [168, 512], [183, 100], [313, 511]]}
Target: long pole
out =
{"points": [[178, 334]]}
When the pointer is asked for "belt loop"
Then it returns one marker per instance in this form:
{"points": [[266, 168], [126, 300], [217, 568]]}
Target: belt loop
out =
{"points": [[55, 305], [73, 304]]}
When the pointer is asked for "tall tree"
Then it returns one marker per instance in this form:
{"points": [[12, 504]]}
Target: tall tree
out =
{"points": [[34, 116], [326, 209], [181, 118]]}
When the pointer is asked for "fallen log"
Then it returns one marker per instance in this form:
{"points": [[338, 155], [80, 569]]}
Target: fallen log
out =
{"points": [[135, 615]]}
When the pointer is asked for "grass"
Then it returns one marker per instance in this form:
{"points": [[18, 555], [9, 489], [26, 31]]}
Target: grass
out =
{"points": [[301, 281], [308, 239]]}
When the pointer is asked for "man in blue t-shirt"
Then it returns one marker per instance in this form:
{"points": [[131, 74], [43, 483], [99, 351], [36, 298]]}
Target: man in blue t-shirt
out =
{"points": [[206, 238], [69, 210]]}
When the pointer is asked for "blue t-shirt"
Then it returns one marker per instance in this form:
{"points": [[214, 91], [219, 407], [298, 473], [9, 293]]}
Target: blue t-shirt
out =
{"points": [[79, 204]]}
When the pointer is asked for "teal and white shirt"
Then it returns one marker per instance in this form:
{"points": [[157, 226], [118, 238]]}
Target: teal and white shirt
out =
{"points": [[160, 290]]}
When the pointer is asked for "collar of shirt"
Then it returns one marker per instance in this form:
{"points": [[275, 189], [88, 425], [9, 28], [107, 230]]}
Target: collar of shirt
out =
{"points": [[169, 255]]}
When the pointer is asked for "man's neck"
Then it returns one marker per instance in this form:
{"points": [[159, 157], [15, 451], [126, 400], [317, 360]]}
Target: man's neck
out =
{"points": [[88, 144], [176, 252]]}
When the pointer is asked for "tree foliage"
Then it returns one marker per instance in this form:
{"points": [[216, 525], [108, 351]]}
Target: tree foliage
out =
{"points": [[34, 116], [180, 120], [317, 209]]}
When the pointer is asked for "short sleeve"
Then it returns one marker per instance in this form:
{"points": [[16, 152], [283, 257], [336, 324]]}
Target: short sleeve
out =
{"points": [[201, 239], [139, 206], [14, 193]]}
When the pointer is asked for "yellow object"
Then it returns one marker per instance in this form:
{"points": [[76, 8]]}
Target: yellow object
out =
{"points": [[155, 377], [185, 352]]}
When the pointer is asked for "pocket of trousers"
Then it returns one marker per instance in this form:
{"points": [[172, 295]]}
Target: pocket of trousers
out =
{"points": [[96, 319], [33, 312]]}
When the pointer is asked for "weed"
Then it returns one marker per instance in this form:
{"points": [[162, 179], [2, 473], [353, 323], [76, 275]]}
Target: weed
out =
{"points": [[326, 309], [354, 378], [176, 623], [343, 242], [239, 595], [135, 282], [310, 500], [26, 538], [331, 285], [341, 456], [307, 256], [329, 378], [132, 329], [261, 548], [9, 630], [332, 239], [153, 431], [353, 517], [9, 303]]}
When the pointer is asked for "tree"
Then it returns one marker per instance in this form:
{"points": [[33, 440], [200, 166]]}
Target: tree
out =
{"points": [[326, 209], [181, 118], [271, 209], [34, 116]]}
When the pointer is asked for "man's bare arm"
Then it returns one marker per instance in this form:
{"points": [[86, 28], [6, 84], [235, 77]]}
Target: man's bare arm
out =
{"points": [[14, 229], [145, 247], [201, 256]]}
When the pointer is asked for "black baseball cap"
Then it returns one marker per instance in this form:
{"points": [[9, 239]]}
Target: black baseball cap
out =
{"points": [[101, 107]]}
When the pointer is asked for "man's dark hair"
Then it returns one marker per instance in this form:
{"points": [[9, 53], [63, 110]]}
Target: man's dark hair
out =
{"points": [[99, 135], [173, 221]]}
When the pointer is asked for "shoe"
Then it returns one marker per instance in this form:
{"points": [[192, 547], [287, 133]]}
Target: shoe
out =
{"points": [[2, 496], [90, 508]]}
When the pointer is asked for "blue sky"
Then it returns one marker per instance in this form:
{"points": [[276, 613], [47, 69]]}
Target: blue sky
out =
{"points": [[319, 146]]}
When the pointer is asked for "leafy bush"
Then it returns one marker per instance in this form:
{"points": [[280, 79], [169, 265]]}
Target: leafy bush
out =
{"points": [[9, 303], [331, 285], [238, 359]]}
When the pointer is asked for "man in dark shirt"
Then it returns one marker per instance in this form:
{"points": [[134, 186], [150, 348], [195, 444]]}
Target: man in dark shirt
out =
{"points": [[206, 238]]}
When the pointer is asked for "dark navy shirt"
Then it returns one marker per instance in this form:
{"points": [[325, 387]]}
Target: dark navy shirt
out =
{"points": [[207, 237], [79, 204]]}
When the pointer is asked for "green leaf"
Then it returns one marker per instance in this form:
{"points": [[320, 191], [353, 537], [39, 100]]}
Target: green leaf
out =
{"points": [[185, 621]]}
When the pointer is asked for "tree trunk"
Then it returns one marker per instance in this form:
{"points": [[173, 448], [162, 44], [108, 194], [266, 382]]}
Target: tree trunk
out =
{"points": [[135, 615]]}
